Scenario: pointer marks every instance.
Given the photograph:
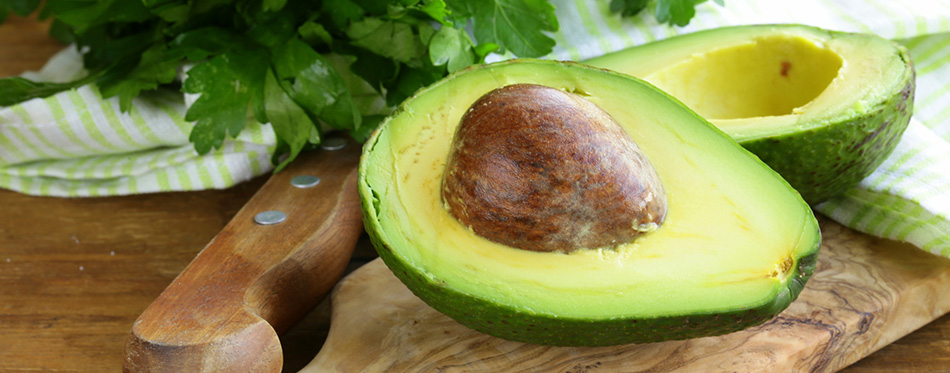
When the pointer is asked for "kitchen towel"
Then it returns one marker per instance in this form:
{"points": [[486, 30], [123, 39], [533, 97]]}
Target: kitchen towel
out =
{"points": [[77, 144]]}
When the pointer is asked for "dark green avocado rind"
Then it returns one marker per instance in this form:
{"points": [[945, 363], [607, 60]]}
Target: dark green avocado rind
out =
{"points": [[837, 157], [515, 324], [512, 324]]}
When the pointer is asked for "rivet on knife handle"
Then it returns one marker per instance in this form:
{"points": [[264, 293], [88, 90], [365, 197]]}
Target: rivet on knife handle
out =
{"points": [[252, 281], [305, 181], [270, 217]]}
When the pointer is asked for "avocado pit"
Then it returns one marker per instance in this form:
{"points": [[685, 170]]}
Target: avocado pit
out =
{"points": [[541, 169]]}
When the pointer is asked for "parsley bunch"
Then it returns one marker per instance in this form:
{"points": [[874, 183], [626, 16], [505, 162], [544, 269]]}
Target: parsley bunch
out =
{"points": [[292, 63], [673, 12]]}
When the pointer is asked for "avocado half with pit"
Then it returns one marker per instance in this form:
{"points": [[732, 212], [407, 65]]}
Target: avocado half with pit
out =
{"points": [[560, 204], [822, 108]]}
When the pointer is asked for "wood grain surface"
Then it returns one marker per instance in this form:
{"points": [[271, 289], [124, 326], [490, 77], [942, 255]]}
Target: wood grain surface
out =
{"points": [[864, 295], [75, 273]]}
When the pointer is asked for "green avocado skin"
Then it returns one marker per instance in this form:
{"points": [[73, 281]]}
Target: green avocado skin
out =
{"points": [[517, 325], [826, 161]]}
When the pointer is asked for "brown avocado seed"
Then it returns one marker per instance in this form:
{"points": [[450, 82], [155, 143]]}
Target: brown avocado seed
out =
{"points": [[540, 169]]}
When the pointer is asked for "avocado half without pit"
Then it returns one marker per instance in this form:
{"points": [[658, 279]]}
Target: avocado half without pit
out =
{"points": [[559, 204], [822, 108]]}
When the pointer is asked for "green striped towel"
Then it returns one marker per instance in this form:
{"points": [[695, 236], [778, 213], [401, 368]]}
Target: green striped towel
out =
{"points": [[77, 144], [44, 143]]}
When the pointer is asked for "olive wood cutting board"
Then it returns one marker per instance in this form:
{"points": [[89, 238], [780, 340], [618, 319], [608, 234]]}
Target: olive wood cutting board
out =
{"points": [[865, 294]]}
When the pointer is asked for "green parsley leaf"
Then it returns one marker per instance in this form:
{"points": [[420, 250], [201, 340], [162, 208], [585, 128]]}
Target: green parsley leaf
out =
{"points": [[17, 89], [61, 32], [370, 122], [106, 51], [290, 122], [83, 14], [274, 5], [22, 8], [199, 44], [227, 84], [314, 84], [273, 30], [175, 11], [483, 49], [628, 8], [376, 7], [374, 69], [514, 25], [395, 40], [435, 9], [673, 12], [451, 47], [409, 81], [121, 68], [426, 31], [340, 13], [314, 34], [677, 12], [152, 70]]}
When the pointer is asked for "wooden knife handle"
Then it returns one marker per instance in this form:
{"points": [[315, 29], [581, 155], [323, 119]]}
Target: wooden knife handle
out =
{"points": [[252, 281]]}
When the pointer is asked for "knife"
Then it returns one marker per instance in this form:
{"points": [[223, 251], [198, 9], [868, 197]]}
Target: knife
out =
{"points": [[268, 267]]}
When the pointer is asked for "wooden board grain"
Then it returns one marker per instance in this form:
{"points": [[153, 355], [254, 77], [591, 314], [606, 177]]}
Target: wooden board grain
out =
{"points": [[865, 294]]}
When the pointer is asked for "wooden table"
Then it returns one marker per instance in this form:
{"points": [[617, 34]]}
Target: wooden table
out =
{"points": [[75, 273]]}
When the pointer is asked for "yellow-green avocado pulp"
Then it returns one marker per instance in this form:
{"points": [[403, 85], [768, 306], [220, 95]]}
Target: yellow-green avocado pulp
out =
{"points": [[736, 248], [822, 108]]}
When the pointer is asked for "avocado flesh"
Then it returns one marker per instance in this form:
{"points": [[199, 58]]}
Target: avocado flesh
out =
{"points": [[822, 108], [735, 249]]}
